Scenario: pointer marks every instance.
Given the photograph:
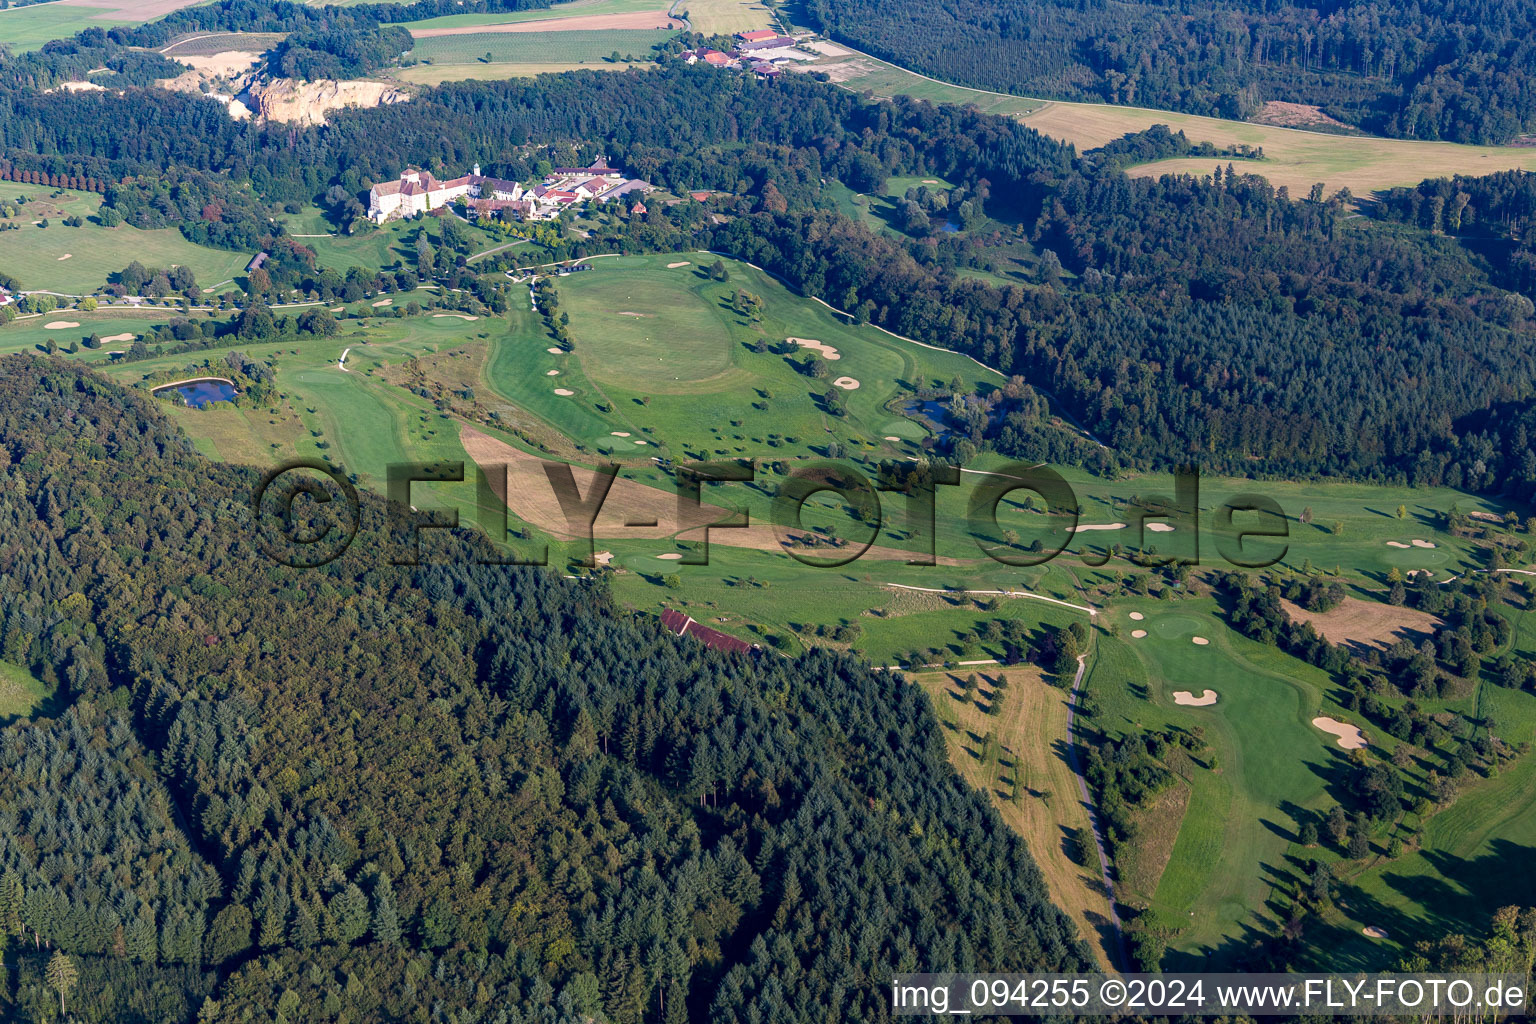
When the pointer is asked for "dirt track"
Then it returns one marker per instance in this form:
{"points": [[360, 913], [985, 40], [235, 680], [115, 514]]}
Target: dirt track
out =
{"points": [[585, 22]]}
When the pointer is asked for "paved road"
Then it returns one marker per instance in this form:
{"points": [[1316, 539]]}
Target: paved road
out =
{"points": [[1093, 814]]}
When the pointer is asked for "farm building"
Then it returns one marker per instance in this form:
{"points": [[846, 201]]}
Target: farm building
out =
{"points": [[773, 42], [756, 35]]}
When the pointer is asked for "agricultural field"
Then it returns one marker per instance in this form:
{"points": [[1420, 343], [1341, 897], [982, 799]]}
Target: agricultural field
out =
{"points": [[581, 47], [79, 260], [437, 74], [1292, 157], [580, 9], [211, 44], [28, 28], [726, 17]]}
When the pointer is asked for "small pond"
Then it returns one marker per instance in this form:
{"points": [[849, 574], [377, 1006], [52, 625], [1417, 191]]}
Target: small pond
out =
{"points": [[198, 393]]}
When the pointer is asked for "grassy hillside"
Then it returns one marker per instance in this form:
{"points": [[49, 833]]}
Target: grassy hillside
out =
{"points": [[79, 260]]}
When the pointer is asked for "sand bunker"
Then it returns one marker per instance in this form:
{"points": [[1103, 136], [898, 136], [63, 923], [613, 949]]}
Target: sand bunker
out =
{"points": [[1396, 544], [1160, 527], [1349, 736], [1137, 616], [120, 337], [383, 302], [334, 309], [892, 437], [827, 351], [1422, 544], [65, 256], [639, 442], [564, 392], [620, 433], [59, 325], [670, 556], [1371, 931], [930, 181], [674, 266], [457, 316], [846, 383], [1189, 700], [1090, 527], [1138, 633], [552, 373], [1199, 641], [602, 557], [555, 351]]}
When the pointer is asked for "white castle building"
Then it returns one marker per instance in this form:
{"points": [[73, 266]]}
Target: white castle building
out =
{"points": [[418, 192]]}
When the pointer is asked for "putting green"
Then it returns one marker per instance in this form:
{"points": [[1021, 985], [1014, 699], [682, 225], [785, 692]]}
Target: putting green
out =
{"points": [[641, 333]]}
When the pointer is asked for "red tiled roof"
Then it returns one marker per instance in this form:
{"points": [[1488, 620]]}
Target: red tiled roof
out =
{"points": [[715, 640], [756, 34]]}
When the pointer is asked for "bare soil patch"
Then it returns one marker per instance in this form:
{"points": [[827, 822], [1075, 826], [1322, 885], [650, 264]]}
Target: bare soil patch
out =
{"points": [[1296, 115], [1366, 623]]}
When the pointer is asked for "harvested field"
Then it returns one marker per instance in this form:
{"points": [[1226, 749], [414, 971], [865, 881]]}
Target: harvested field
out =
{"points": [[129, 10], [1366, 623]]}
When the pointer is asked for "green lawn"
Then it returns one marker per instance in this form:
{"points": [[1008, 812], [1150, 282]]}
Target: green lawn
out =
{"points": [[538, 47], [79, 260], [21, 693], [391, 245], [662, 350]]}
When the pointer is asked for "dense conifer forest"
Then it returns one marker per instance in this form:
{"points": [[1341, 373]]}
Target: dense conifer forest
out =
{"points": [[307, 795], [1460, 70]]}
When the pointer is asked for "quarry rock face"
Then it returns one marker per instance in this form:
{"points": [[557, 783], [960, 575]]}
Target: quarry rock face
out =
{"points": [[295, 102]]}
